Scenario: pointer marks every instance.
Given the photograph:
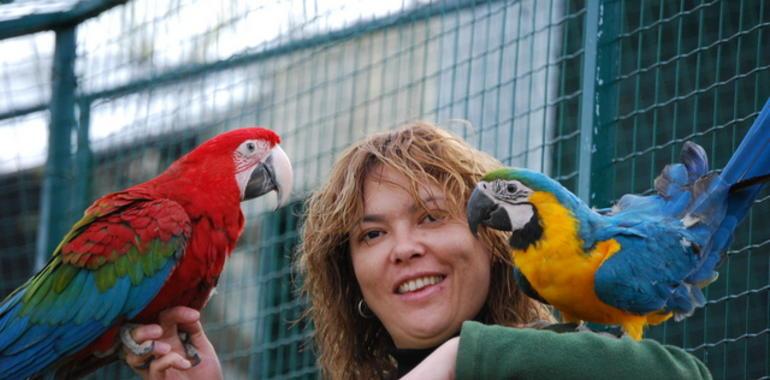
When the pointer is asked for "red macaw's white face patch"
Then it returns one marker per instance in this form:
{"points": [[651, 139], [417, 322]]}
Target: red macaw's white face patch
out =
{"points": [[249, 154], [276, 171], [421, 271]]}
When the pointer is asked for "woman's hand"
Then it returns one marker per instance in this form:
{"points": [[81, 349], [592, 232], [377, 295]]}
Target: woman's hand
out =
{"points": [[168, 359], [439, 365]]}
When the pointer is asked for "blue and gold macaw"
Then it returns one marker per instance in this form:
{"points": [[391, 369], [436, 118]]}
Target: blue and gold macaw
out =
{"points": [[639, 263]]}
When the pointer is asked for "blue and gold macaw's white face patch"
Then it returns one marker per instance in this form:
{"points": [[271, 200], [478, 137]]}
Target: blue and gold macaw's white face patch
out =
{"points": [[514, 200]]}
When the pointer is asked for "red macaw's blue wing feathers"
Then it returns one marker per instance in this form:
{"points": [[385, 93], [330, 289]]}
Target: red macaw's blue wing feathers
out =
{"points": [[673, 241], [108, 268]]}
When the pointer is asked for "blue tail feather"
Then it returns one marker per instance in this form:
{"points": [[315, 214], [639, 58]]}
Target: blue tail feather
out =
{"points": [[752, 157], [750, 160], [695, 160]]}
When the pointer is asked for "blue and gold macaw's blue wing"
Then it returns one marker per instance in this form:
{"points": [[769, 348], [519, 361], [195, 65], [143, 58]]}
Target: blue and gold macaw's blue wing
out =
{"points": [[673, 241]]}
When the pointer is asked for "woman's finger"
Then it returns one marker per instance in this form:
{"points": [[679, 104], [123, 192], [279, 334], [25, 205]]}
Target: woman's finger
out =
{"points": [[166, 362], [169, 318], [143, 333]]}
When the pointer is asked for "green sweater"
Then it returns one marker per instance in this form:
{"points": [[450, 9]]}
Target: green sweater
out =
{"points": [[497, 352]]}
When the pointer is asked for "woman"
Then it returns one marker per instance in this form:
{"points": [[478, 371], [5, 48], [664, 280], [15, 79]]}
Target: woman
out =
{"points": [[393, 276]]}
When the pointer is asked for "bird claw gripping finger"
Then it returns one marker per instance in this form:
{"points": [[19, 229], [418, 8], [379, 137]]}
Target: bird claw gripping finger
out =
{"points": [[128, 341], [189, 348]]}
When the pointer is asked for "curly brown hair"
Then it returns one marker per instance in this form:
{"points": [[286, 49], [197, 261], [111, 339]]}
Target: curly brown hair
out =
{"points": [[352, 347]]}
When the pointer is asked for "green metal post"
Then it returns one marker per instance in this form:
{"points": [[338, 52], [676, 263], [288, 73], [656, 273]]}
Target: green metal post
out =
{"points": [[588, 98], [83, 158], [55, 195], [607, 98], [599, 98]]}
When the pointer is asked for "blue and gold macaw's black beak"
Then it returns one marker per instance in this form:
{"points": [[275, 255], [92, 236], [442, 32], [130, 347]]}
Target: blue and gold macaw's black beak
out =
{"points": [[484, 209]]}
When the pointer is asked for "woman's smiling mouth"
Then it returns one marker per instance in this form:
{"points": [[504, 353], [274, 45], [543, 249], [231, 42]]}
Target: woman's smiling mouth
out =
{"points": [[419, 283]]}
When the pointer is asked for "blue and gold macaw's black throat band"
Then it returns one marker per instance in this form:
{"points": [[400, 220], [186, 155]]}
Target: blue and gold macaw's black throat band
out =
{"points": [[531, 233]]}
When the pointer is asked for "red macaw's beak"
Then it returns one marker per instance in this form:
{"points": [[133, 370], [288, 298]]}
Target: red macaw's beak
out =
{"points": [[274, 173]]}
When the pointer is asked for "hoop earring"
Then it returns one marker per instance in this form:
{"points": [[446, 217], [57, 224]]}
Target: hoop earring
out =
{"points": [[360, 306]]}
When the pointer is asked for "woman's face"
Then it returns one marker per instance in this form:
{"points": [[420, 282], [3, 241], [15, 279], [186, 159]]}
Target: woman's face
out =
{"points": [[421, 272]]}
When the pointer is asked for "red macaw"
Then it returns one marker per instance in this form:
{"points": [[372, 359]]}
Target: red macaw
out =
{"points": [[136, 252]]}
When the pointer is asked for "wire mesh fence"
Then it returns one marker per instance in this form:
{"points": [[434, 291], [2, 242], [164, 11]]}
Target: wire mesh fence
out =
{"points": [[695, 71], [599, 95]]}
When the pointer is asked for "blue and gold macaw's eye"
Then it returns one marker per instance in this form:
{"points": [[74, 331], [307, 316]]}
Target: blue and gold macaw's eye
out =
{"points": [[511, 189]]}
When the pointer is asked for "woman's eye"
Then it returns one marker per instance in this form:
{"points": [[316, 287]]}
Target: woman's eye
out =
{"points": [[431, 218], [369, 235]]}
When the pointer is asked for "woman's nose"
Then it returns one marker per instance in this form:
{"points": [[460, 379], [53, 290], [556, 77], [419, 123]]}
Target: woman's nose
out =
{"points": [[407, 247]]}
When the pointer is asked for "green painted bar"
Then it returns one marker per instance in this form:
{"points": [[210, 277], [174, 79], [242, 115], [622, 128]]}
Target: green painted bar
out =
{"points": [[55, 215], [588, 98]]}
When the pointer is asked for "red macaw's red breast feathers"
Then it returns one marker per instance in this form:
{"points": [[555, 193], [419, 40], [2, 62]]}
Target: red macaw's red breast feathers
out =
{"points": [[137, 252]]}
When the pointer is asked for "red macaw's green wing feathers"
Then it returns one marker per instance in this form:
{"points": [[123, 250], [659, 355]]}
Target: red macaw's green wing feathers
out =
{"points": [[107, 268]]}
